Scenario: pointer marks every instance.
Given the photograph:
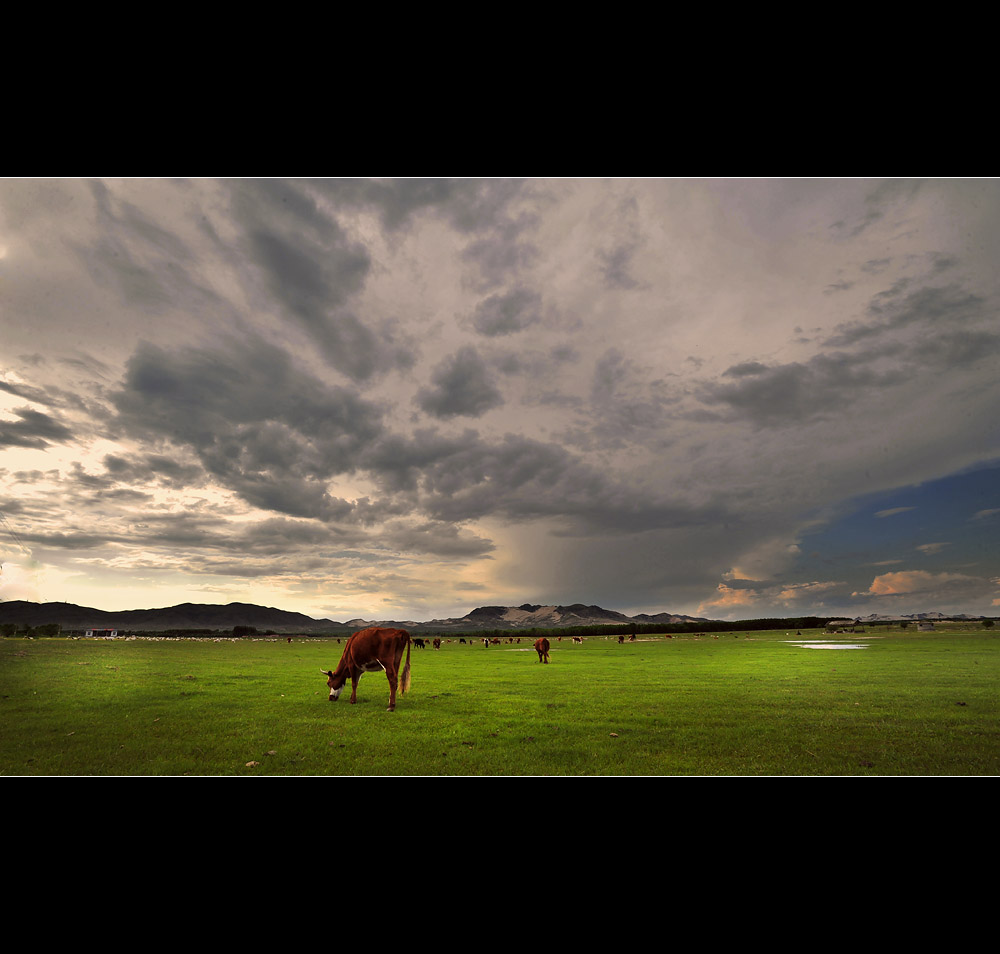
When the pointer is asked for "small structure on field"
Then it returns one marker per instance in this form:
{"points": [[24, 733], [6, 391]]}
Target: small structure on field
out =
{"points": [[840, 626]]}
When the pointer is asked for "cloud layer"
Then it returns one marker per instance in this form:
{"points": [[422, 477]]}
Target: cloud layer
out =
{"points": [[406, 398]]}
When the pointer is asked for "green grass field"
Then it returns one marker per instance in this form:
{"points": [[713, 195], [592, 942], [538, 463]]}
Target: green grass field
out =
{"points": [[907, 704]]}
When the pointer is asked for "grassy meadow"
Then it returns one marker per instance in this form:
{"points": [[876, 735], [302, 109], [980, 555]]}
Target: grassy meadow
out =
{"points": [[906, 704]]}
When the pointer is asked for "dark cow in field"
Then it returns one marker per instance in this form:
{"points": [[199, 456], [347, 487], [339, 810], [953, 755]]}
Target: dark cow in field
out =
{"points": [[370, 650], [621, 639], [542, 648], [578, 639], [418, 643]]}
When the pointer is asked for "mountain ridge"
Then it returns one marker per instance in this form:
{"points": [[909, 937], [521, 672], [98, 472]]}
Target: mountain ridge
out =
{"points": [[214, 616], [70, 616]]}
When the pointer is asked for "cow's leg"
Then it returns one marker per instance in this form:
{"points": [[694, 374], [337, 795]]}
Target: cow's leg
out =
{"points": [[354, 687], [390, 674]]}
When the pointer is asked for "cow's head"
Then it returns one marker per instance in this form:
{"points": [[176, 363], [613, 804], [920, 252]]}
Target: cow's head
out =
{"points": [[335, 682]]}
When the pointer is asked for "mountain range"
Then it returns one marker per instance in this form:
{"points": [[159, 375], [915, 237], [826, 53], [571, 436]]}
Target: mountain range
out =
{"points": [[915, 617], [223, 617], [210, 616]]}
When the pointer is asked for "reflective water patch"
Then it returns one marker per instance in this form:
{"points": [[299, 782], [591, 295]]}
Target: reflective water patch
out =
{"points": [[813, 645]]}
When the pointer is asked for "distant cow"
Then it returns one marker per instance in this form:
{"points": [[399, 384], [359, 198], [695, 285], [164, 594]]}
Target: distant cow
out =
{"points": [[578, 639], [437, 642], [621, 639], [418, 643], [370, 650], [542, 648]]}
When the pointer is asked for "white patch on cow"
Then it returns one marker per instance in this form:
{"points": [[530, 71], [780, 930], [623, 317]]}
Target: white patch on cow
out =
{"points": [[335, 693]]}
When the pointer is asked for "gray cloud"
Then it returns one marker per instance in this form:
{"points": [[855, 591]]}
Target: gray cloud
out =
{"points": [[462, 386], [507, 313], [616, 264], [36, 395], [897, 309], [159, 468], [313, 270], [797, 392], [955, 350], [615, 258], [469, 205], [311, 285], [32, 429], [519, 479], [438, 538], [257, 423]]}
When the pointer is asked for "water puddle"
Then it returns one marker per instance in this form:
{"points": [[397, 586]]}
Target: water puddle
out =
{"points": [[821, 645]]}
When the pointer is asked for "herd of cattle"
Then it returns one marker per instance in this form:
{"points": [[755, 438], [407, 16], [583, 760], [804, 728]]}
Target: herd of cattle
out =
{"points": [[374, 649], [419, 643]]}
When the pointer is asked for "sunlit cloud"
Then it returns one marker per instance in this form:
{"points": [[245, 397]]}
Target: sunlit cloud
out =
{"points": [[925, 584]]}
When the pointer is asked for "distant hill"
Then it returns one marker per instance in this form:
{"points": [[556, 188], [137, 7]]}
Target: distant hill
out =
{"points": [[529, 616], [211, 616], [915, 617], [185, 616]]}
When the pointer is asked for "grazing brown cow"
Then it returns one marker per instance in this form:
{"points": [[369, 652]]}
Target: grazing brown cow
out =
{"points": [[542, 648], [621, 639], [437, 642], [370, 650]]}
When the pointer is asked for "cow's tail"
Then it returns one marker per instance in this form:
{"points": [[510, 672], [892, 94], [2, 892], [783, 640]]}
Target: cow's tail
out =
{"points": [[404, 680]]}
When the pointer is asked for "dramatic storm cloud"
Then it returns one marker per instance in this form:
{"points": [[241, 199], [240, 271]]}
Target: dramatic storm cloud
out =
{"points": [[403, 399]]}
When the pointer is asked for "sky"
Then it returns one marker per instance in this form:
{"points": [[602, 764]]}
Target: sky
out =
{"points": [[403, 399]]}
